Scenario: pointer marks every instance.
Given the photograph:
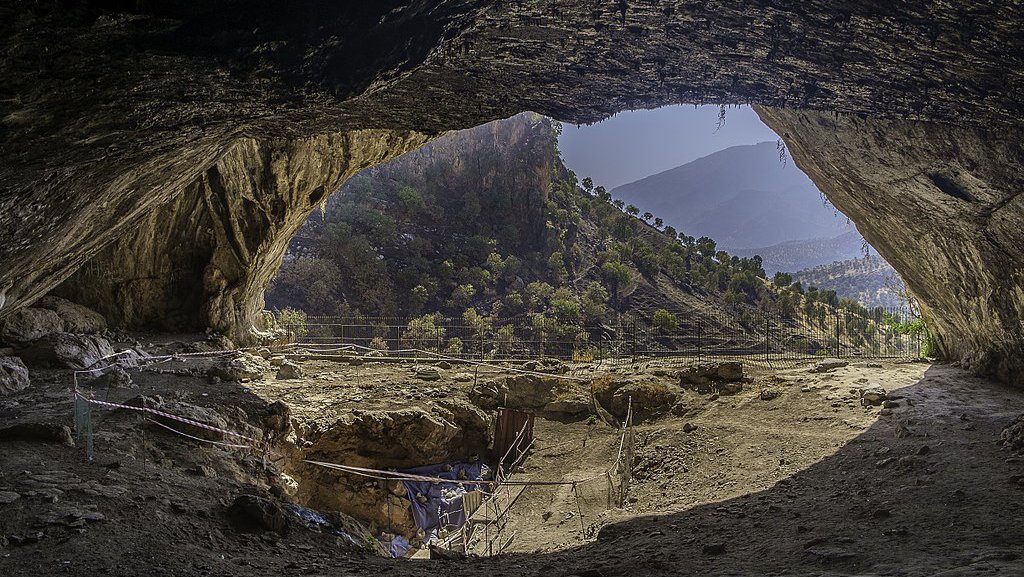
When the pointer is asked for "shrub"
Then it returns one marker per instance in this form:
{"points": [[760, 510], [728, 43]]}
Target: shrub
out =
{"points": [[378, 343], [454, 346], [423, 332], [665, 321], [293, 320]]}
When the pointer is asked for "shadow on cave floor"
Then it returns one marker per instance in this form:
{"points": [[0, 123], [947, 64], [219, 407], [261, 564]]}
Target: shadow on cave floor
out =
{"points": [[924, 491]]}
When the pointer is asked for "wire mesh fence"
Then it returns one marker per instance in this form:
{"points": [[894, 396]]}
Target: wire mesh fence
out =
{"points": [[754, 334]]}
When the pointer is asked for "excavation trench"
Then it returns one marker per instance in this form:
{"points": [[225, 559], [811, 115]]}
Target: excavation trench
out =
{"points": [[346, 450]]}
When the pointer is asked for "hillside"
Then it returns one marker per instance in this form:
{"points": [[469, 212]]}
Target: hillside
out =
{"points": [[797, 255], [489, 219], [869, 280], [742, 197]]}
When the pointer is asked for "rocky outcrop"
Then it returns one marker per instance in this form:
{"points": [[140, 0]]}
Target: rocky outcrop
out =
{"points": [[158, 149], [205, 258], [943, 205], [67, 350], [13, 375]]}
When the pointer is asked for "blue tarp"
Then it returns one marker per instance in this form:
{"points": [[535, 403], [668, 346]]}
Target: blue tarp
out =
{"points": [[438, 505], [317, 522]]}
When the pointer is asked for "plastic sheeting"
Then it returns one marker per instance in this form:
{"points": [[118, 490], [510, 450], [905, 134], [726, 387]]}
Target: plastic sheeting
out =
{"points": [[317, 522], [439, 505]]}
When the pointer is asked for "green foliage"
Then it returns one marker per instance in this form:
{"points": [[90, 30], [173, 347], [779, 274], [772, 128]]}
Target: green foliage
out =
{"points": [[782, 280], [594, 301], [665, 321], [462, 295], [616, 275], [454, 346], [423, 332], [378, 343], [293, 320]]}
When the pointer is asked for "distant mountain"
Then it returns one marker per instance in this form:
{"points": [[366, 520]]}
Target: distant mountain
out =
{"points": [[870, 280], [742, 197], [797, 255]]}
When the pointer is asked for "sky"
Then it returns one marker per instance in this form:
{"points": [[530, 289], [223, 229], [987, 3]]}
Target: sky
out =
{"points": [[632, 145]]}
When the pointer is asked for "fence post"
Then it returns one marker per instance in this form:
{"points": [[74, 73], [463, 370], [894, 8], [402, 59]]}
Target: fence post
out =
{"points": [[767, 337], [838, 349], [700, 339]]}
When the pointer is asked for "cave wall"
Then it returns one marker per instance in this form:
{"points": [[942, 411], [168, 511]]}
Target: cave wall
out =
{"points": [[944, 205], [116, 116], [205, 258]]}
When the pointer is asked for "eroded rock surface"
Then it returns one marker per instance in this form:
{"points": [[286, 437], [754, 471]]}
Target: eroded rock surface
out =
{"points": [[158, 150], [943, 205]]}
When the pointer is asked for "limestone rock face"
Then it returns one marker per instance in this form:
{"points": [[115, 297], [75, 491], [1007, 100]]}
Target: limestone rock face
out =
{"points": [[943, 205], [205, 258], [74, 317], [164, 157], [29, 324]]}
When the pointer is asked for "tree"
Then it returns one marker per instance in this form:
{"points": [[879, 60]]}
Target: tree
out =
{"points": [[417, 298], [647, 216], [782, 280], [665, 321], [670, 232], [616, 275], [658, 222], [588, 185], [595, 301], [618, 203], [602, 194], [412, 201], [632, 210]]}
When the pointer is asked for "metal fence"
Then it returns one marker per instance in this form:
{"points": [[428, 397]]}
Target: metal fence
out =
{"points": [[754, 334]]}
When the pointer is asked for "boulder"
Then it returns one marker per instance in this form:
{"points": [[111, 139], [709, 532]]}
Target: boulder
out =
{"points": [[67, 350], [251, 513], [872, 394], [768, 394], [113, 378], [13, 375], [243, 367], [277, 360], [428, 373], [74, 317], [38, 433], [827, 365], [193, 413], [1012, 435], [30, 324], [522, 392], [449, 430], [702, 376], [647, 397], [571, 402], [289, 370]]}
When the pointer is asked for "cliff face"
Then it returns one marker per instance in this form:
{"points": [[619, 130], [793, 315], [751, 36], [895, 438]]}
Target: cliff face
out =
{"points": [[204, 259], [943, 205], [121, 117]]}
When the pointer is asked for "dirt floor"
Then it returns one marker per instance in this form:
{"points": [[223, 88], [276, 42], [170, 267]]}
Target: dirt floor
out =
{"points": [[790, 476]]}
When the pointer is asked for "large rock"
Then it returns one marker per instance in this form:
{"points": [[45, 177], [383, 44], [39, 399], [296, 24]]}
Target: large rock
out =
{"points": [[38, 433], [872, 394], [30, 324], [202, 415], [288, 371], [13, 375], [827, 365], [450, 430], [522, 392], [1012, 435], [67, 350], [244, 367], [74, 317], [712, 376], [647, 398]]}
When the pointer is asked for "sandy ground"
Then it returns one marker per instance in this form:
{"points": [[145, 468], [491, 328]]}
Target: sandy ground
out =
{"points": [[807, 483]]}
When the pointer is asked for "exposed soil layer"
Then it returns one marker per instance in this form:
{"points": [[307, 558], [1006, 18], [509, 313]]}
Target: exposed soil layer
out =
{"points": [[804, 479]]}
